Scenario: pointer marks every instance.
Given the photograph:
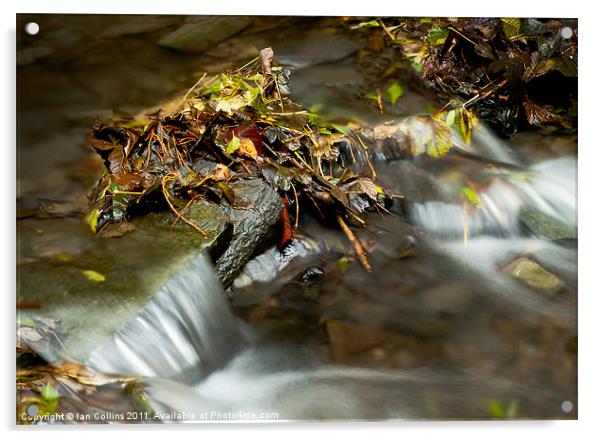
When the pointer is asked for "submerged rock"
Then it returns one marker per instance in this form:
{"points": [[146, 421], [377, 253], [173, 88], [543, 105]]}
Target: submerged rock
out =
{"points": [[325, 45], [267, 272], [534, 275], [200, 34], [539, 224]]}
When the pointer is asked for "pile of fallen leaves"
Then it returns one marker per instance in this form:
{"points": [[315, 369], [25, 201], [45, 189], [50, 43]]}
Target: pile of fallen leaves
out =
{"points": [[52, 389], [514, 73], [240, 124]]}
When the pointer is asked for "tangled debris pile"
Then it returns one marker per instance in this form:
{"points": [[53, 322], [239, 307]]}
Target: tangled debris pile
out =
{"points": [[502, 68], [235, 128]]}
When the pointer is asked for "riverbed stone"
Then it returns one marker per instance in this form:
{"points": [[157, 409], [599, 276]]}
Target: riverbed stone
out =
{"points": [[65, 279], [545, 226], [534, 275], [200, 34], [100, 284]]}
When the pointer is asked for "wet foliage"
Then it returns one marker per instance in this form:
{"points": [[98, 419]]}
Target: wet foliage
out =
{"points": [[238, 125], [500, 68], [51, 388]]}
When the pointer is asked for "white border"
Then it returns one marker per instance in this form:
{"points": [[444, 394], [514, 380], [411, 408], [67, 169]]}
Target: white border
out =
{"points": [[590, 162]]}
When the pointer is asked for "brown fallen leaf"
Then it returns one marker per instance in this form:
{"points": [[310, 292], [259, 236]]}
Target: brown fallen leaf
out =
{"points": [[538, 115]]}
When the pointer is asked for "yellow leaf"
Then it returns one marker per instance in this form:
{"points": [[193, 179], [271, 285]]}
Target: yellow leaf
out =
{"points": [[511, 26], [92, 219], [464, 124], [94, 275], [247, 148]]}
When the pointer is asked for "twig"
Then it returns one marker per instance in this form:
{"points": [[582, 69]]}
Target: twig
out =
{"points": [[386, 30], [361, 253], [379, 101], [182, 212], [175, 211]]}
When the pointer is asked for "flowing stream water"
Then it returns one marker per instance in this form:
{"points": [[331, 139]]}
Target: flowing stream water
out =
{"points": [[200, 358], [444, 327]]}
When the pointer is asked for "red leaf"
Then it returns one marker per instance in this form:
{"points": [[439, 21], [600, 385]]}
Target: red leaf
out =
{"points": [[250, 132], [287, 228]]}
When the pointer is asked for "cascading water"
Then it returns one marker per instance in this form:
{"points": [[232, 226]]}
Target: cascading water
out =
{"points": [[184, 333], [462, 331], [199, 358]]}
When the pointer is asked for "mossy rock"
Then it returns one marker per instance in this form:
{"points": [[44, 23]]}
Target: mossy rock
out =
{"points": [[539, 224], [96, 291]]}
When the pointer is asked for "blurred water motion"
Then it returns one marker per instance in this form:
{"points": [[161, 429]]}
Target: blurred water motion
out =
{"points": [[470, 311]]}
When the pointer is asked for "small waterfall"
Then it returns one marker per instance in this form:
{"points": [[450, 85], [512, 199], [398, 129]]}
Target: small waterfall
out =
{"points": [[548, 187], [197, 357], [185, 332]]}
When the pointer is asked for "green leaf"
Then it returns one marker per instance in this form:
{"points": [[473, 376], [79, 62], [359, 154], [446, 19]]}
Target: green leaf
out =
{"points": [[495, 409], [233, 145], [371, 23], [395, 91], [566, 66], [437, 36], [63, 257], [464, 122], [499, 410], [471, 195], [343, 129], [94, 276], [49, 394], [371, 96], [92, 219], [343, 264], [512, 410], [417, 65], [511, 27], [450, 118], [461, 120]]}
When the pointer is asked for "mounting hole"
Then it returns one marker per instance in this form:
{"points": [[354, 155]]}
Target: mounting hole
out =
{"points": [[566, 33], [33, 410], [32, 28], [566, 406]]}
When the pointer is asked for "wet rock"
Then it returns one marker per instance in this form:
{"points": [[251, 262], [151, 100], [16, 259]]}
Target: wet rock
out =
{"points": [[184, 333], [200, 34], [40, 337], [135, 266], [257, 208], [534, 275], [447, 297], [539, 224], [138, 24], [348, 339], [239, 49], [30, 55], [312, 275], [321, 46], [267, 272], [364, 345], [416, 184]]}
